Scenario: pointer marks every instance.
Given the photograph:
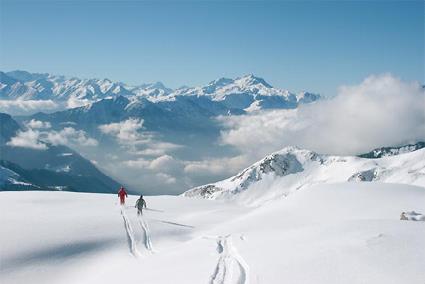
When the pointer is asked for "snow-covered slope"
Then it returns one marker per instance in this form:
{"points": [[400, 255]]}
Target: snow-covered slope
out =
{"points": [[11, 179], [293, 168], [342, 233]]}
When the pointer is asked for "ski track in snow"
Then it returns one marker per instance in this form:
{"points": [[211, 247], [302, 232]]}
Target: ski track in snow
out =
{"points": [[146, 233], [130, 234], [225, 272]]}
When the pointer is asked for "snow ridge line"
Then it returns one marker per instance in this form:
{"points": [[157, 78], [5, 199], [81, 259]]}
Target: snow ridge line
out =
{"points": [[229, 257], [130, 234], [146, 234]]}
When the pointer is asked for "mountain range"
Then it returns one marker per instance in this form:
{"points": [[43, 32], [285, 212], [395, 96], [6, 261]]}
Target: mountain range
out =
{"points": [[246, 93], [392, 151], [182, 120]]}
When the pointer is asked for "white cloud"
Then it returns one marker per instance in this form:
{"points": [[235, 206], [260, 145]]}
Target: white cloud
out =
{"points": [[126, 132], [164, 163], [167, 170], [262, 131], [157, 148], [140, 163], [112, 157], [129, 135], [37, 124], [219, 166], [36, 138], [68, 123], [21, 107], [382, 110], [160, 171], [166, 178], [74, 102], [68, 136], [151, 152], [27, 139]]}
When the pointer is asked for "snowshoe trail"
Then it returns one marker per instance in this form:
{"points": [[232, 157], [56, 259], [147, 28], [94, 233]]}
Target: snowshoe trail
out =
{"points": [[146, 233], [231, 268], [130, 234]]}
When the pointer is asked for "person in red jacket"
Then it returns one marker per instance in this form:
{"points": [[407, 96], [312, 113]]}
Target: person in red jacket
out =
{"points": [[122, 195]]}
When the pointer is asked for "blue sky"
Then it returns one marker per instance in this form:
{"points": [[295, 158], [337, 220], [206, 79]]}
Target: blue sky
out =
{"points": [[313, 45]]}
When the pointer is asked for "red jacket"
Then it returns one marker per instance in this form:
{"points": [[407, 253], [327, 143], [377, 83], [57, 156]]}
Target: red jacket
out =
{"points": [[122, 193]]}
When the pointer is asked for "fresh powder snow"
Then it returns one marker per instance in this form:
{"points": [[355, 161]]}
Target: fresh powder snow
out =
{"points": [[347, 232]]}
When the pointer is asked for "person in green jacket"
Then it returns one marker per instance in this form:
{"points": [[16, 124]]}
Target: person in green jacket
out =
{"points": [[140, 203]]}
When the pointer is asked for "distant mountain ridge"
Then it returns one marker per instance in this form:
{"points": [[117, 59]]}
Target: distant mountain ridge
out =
{"points": [[246, 93], [34, 86], [392, 151], [172, 113]]}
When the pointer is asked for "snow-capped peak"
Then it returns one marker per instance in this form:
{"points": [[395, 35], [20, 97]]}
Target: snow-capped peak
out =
{"points": [[251, 80], [220, 82], [157, 85]]}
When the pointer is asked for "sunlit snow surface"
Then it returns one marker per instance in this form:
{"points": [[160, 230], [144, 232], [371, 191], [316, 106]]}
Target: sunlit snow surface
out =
{"points": [[291, 169], [328, 233]]}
